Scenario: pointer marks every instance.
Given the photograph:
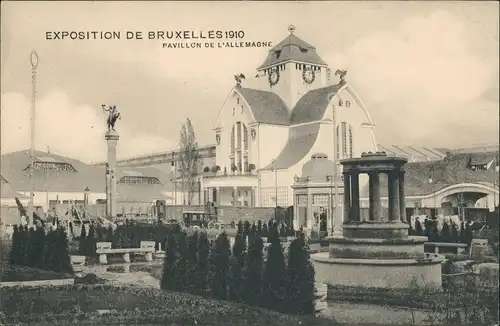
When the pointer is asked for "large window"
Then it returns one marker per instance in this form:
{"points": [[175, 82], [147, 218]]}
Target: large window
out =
{"points": [[245, 137], [268, 198], [345, 141], [233, 140], [52, 166], [139, 180]]}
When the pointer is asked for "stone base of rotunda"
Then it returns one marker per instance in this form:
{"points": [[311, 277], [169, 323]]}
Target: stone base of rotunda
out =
{"points": [[378, 273], [378, 255]]}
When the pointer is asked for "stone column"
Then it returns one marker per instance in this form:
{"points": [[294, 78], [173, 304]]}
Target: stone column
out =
{"points": [[402, 203], [217, 196], [374, 189], [235, 195], [355, 214], [112, 141], [393, 196], [347, 197], [252, 197], [309, 217]]}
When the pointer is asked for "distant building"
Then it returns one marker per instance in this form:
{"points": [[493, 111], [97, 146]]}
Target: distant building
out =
{"points": [[461, 178], [59, 179]]}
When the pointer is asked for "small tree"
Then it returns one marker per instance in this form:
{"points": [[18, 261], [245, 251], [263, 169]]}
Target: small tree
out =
{"points": [[236, 287], [109, 234], [38, 243], [181, 271], [301, 294], [192, 262], [253, 271], [61, 261], [91, 242], [189, 160], [170, 265], [203, 264], [220, 267], [15, 251], [82, 246], [274, 278]]}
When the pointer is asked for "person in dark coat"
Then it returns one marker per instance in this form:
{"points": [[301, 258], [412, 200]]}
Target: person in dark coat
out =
{"points": [[418, 226], [427, 225]]}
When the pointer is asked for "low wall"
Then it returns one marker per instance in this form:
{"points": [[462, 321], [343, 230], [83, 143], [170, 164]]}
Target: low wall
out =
{"points": [[225, 213]]}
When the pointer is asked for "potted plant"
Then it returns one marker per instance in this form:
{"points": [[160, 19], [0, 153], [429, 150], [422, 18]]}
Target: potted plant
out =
{"points": [[251, 167], [214, 169], [206, 169], [234, 168]]}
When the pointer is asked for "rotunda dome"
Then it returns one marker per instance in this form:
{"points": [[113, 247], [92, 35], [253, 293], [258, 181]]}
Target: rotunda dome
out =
{"points": [[318, 168]]}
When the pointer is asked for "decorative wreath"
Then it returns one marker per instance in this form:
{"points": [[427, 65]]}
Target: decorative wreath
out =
{"points": [[313, 75], [271, 81], [253, 133], [217, 139]]}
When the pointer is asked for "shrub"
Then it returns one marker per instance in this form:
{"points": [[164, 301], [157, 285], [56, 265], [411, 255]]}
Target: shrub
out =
{"points": [[220, 267], [253, 271], [206, 169], [61, 261], [192, 262], [15, 251], [169, 265], [301, 294], [274, 278], [236, 287], [201, 276], [91, 242], [181, 269]]}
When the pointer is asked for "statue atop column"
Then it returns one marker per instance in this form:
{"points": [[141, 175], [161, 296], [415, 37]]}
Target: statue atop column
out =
{"points": [[113, 115]]}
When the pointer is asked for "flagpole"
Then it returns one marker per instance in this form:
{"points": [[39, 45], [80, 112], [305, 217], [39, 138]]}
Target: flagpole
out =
{"points": [[34, 66]]}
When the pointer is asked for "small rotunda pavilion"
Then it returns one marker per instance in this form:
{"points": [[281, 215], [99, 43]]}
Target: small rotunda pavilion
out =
{"points": [[314, 195]]}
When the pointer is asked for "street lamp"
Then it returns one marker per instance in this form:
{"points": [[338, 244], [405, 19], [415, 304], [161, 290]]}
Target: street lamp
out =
{"points": [[495, 181], [275, 188], [431, 181], [329, 178]]}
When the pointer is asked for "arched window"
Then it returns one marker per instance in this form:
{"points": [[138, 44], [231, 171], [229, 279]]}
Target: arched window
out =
{"points": [[233, 141], [245, 137], [345, 141]]}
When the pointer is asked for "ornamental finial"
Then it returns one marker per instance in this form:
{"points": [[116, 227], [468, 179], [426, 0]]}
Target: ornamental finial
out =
{"points": [[291, 29]]}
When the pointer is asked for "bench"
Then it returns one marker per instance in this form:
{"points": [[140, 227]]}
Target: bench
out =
{"points": [[458, 247], [104, 249]]}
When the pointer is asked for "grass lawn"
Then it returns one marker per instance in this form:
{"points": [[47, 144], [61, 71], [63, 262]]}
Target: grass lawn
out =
{"points": [[126, 305], [23, 273]]}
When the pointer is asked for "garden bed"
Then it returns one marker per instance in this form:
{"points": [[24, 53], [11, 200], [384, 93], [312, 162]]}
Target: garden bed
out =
{"points": [[129, 305], [25, 274]]}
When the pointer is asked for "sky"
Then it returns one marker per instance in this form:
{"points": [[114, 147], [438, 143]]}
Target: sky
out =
{"points": [[428, 72]]}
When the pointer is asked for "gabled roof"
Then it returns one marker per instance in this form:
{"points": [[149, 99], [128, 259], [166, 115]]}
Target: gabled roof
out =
{"points": [[292, 48], [300, 141], [312, 106], [266, 107], [14, 168]]}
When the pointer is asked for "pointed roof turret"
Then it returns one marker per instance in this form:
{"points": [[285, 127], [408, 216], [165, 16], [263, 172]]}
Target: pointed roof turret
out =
{"points": [[292, 48]]}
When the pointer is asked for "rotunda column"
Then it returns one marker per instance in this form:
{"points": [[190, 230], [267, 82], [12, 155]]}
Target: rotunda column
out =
{"points": [[355, 214], [347, 196], [393, 196], [374, 190], [402, 203]]}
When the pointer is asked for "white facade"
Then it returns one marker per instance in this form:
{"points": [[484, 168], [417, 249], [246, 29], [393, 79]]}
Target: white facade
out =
{"points": [[271, 125]]}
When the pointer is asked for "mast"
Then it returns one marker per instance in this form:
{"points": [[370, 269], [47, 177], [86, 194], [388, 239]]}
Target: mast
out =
{"points": [[34, 65]]}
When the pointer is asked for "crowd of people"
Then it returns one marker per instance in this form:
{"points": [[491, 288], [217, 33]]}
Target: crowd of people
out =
{"points": [[440, 229]]}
